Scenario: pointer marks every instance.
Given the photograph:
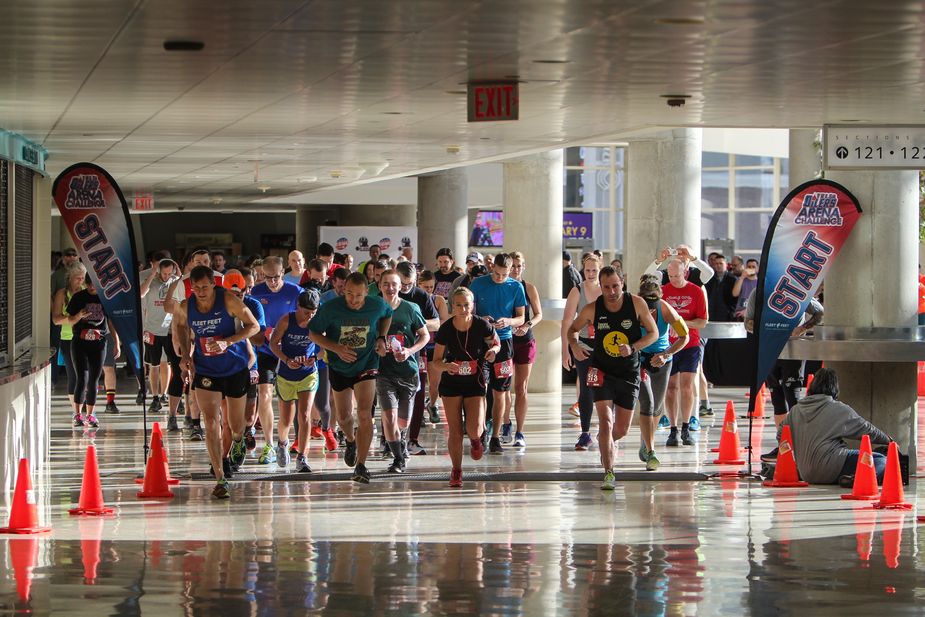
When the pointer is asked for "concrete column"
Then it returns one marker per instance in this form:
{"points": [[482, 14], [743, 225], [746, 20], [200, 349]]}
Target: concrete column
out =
{"points": [[663, 204], [873, 283], [533, 226], [805, 156], [443, 198], [41, 257], [307, 220]]}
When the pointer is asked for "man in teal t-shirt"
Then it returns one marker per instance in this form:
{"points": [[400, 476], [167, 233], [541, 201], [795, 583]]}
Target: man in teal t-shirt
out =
{"points": [[352, 329]]}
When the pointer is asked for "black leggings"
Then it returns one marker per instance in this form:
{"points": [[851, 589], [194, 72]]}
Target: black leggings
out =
{"points": [[784, 382], [585, 394], [87, 357], [69, 367]]}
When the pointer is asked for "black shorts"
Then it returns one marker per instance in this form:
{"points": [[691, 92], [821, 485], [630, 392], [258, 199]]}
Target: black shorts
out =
{"points": [[231, 386], [686, 361], [623, 390], [339, 382], [266, 368], [465, 389], [429, 352], [162, 346], [505, 355]]}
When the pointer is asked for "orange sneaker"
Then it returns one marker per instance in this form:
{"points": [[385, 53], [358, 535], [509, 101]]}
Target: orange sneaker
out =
{"points": [[573, 410], [330, 440], [316, 432], [456, 478]]}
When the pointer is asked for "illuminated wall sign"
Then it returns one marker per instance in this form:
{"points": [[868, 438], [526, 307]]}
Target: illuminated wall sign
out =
{"points": [[491, 102], [873, 147]]}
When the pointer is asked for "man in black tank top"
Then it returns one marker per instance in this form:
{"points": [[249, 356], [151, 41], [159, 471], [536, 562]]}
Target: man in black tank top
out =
{"points": [[618, 320]]}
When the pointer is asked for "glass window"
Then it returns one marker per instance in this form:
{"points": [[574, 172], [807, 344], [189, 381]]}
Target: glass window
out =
{"points": [[714, 225], [750, 228], [714, 159], [715, 190], [743, 160], [587, 188], [754, 188]]}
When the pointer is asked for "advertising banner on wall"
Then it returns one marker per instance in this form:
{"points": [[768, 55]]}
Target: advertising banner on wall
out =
{"points": [[357, 240], [96, 215], [803, 239]]}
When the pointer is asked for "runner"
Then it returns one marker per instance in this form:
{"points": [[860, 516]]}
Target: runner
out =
{"points": [[466, 347], [656, 365], [160, 355], [297, 381], [619, 319], [428, 282], [278, 298], [75, 275], [296, 267], [398, 381], [353, 329], [91, 327], [445, 274], [502, 300], [523, 356], [219, 363]]}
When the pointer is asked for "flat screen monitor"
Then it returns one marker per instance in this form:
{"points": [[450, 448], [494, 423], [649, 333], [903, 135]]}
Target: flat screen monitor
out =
{"points": [[487, 229]]}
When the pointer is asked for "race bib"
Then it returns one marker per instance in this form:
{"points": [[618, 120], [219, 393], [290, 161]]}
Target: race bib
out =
{"points": [[467, 368], [591, 331], [148, 338], [203, 345], [595, 378], [505, 369], [255, 376], [91, 335]]}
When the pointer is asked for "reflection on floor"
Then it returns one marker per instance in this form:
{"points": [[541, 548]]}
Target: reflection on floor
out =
{"points": [[405, 547]]}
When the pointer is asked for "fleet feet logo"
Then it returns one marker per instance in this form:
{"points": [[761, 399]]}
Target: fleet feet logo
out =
{"points": [[84, 192], [820, 209]]}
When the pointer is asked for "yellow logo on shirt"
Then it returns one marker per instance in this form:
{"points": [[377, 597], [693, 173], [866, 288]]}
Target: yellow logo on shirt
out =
{"points": [[612, 343]]}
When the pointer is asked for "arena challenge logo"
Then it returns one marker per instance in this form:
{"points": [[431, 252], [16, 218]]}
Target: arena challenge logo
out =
{"points": [[820, 210]]}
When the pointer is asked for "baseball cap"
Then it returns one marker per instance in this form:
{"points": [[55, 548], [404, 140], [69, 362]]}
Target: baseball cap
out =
{"points": [[70, 252], [309, 299], [566, 256], [474, 256], [234, 280]]}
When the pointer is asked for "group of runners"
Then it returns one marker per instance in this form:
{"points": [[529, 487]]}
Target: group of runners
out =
{"points": [[332, 346]]}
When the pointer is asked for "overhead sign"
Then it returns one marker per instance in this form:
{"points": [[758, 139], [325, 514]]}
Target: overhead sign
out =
{"points": [[577, 225], [357, 240], [491, 102], [873, 147], [144, 200]]}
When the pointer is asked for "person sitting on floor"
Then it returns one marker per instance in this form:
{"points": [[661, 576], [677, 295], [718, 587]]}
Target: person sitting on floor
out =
{"points": [[820, 423]]}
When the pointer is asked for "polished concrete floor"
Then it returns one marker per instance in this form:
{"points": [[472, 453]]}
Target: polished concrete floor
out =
{"points": [[511, 545]]}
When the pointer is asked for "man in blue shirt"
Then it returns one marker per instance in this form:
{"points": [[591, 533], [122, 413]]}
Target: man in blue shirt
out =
{"points": [[502, 301]]}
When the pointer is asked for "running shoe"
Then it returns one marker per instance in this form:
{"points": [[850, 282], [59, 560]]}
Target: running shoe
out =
{"points": [[250, 439], [155, 405], [112, 408], [584, 442], [693, 424], [238, 452], [316, 432], [494, 446], [610, 482], [197, 434], [360, 473], [770, 456], [92, 422], [397, 466], [519, 441], [434, 415], [476, 449], [164, 400], [350, 454], [643, 452], [506, 433], [294, 448], [686, 438], [341, 438], [456, 478], [330, 441], [221, 490], [664, 422], [672, 441], [227, 471], [267, 455], [301, 465], [78, 420], [574, 410], [384, 450], [172, 425], [140, 398], [415, 449], [706, 412], [651, 461]]}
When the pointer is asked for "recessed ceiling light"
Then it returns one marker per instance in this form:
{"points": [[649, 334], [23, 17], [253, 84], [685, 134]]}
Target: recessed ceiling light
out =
{"points": [[393, 113], [675, 96], [485, 138], [183, 45], [680, 21], [551, 61]]}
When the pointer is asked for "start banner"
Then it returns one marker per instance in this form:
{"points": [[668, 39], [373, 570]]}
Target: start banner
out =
{"points": [[96, 215], [357, 240], [803, 239]]}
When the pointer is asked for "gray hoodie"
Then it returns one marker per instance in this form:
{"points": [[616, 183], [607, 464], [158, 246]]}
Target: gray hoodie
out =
{"points": [[819, 424]]}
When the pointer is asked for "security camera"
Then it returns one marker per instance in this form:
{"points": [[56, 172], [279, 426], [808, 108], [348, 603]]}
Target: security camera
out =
{"points": [[675, 102]]}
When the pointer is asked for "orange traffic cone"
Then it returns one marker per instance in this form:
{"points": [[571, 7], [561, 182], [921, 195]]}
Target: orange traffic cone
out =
{"points": [[892, 497], [170, 479], [730, 450], [91, 535], [24, 515], [785, 474], [865, 477], [24, 553], [809, 380], [758, 411], [155, 485], [730, 406], [91, 491]]}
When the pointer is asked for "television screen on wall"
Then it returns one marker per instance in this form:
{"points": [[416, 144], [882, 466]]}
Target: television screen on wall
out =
{"points": [[487, 229]]}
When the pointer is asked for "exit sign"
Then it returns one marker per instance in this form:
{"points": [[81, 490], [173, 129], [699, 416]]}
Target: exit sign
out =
{"points": [[144, 200], [491, 102]]}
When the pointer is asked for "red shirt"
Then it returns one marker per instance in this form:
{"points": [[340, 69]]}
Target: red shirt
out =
{"points": [[690, 303], [189, 286]]}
